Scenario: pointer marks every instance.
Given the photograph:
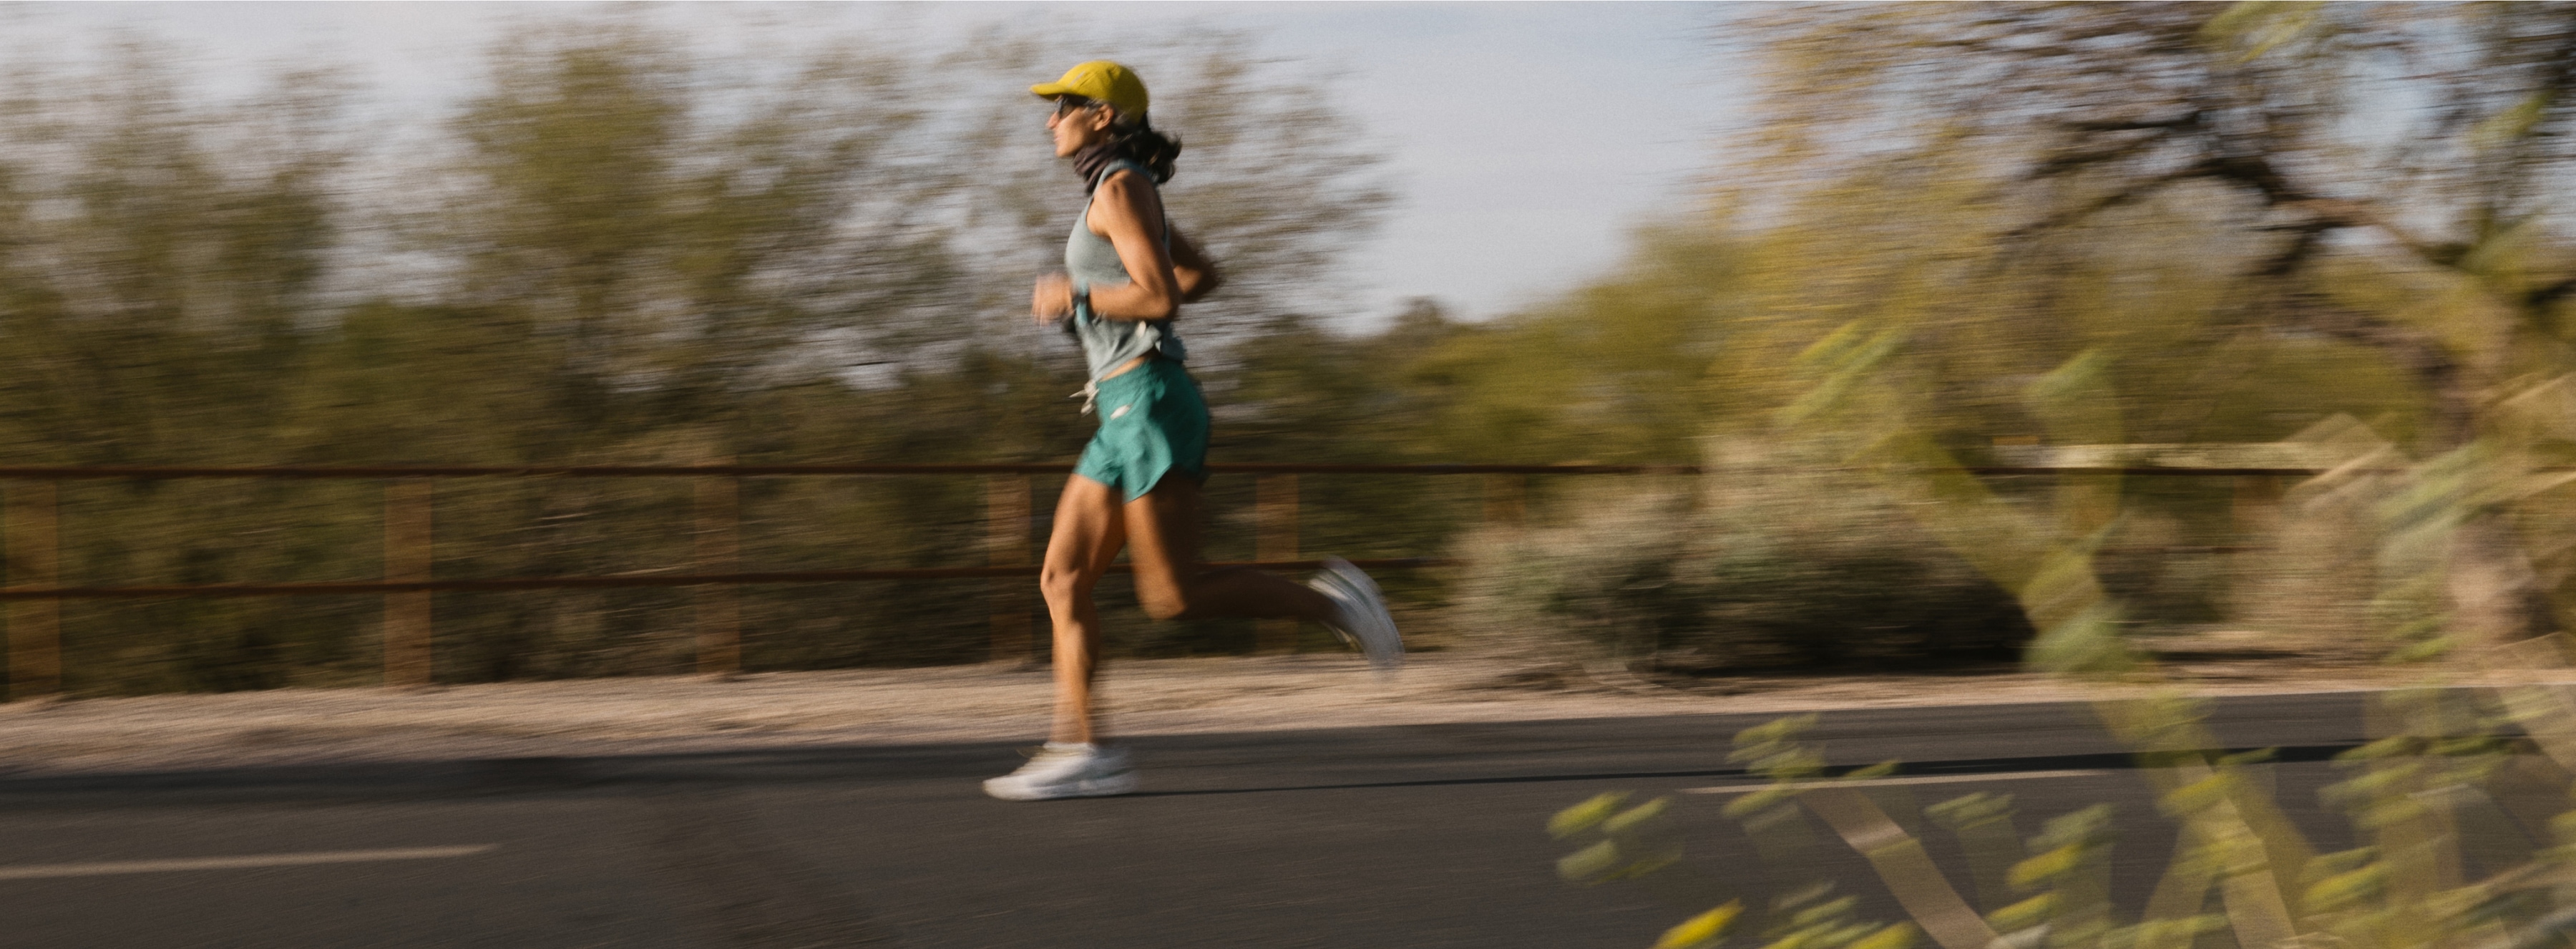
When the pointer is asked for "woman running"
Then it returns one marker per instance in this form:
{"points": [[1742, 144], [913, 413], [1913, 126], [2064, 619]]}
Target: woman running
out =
{"points": [[1137, 486]]}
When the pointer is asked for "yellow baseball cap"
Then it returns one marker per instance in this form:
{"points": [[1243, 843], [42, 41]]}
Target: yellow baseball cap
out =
{"points": [[1100, 81]]}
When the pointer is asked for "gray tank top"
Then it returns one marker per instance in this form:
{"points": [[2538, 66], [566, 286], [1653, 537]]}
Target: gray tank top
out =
{"points": [[1089, 259]]}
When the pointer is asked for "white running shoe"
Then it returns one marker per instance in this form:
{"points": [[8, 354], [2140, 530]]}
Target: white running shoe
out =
{"points": [[1066, 770], [1364, 623]]}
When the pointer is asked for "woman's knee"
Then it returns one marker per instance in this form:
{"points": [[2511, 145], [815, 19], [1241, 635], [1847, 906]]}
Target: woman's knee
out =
{"points": [[1064, 584]]}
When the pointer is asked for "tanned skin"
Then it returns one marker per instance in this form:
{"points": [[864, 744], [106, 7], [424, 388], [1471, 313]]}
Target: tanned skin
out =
{"points": [[1160, 530]]}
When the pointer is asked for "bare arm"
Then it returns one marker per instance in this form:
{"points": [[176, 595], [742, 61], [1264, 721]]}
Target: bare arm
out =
{"points": [[1197, 274], [1130, 214]]}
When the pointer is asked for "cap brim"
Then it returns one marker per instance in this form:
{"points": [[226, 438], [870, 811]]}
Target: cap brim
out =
{"points": [[1050, 90]]}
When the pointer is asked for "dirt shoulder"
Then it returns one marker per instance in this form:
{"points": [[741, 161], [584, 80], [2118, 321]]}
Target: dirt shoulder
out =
{"points": [[978, 704]]}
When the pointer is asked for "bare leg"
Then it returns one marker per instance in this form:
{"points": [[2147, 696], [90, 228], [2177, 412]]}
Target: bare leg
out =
{"points": [[1088, 531], [1161, 531], [1163, 545]]}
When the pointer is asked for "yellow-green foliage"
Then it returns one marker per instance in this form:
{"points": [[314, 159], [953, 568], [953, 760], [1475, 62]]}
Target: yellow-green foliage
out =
{"points": [[2075, 224], [1609, 372]]}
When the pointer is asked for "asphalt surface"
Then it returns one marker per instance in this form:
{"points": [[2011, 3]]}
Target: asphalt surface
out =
{"points": [[1421, 836]]}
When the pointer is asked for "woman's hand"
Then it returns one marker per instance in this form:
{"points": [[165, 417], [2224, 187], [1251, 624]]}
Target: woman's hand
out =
{"points": [[1053, 299]]}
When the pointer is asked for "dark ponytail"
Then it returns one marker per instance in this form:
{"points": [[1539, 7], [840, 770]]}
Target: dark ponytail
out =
{"points": [[1139, 143]]}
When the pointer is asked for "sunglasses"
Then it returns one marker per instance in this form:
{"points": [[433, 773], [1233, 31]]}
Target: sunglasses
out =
{"points": [[1069, 104]]}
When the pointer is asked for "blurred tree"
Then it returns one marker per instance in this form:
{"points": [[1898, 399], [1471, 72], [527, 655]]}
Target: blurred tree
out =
{"points": [[158, 279], [686, 243], [161, 256], [1609, 372], [2234, 184], [1275, 181]]}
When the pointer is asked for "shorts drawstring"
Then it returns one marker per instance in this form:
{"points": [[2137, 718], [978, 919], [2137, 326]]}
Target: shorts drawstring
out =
{"points": [[1090, 396]]}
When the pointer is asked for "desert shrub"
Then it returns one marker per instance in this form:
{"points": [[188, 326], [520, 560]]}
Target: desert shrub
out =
{"points": [[1745, 571]]}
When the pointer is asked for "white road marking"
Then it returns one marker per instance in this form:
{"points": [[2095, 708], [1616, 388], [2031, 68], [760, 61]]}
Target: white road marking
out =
{"points": [[43, 871], [1884, 782]]}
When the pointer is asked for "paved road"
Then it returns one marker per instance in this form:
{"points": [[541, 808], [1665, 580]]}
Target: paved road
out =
{"points": [[1424, 836]]}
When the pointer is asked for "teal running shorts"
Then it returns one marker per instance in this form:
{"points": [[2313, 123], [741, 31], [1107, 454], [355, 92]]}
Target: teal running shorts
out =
{"points": [[1152, 423]]}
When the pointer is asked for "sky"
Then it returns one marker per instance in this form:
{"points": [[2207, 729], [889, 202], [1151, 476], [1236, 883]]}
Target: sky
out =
{"points": [[1526, 140]]}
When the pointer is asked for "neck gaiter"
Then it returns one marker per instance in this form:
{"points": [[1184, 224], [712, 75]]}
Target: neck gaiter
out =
{"points": [[1092, 160]]}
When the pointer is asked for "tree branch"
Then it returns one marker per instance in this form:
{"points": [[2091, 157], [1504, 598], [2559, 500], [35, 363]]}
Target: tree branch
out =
{"points": [[2541, 298], [2415, 351], [2186, 120], [2070, 160], [2135, 192]]}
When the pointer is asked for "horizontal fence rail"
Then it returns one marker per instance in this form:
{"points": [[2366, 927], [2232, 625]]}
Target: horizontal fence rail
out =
{"points": [[33, 592], [156, 473], [364, 587]]}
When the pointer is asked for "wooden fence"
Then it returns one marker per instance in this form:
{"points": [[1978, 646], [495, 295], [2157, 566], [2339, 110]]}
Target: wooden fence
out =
{"points": [[33, 591]]}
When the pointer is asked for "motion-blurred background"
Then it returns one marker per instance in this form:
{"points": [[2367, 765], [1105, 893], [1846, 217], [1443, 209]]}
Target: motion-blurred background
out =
{"points": [[2101, 236]]}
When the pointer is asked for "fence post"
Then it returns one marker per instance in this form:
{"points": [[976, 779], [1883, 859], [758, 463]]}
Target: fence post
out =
{"points": [[408, 503], [2255, 507], [1006, 544], [1275, 511], [719, 550], [35, 560], [2255, 512], [1506, 499]]}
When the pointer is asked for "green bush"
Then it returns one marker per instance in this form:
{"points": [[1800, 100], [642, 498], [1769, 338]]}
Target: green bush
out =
{"points": [[1744, 572]]}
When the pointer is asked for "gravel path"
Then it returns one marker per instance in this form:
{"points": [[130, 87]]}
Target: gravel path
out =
{"points": [[969, 704]]}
